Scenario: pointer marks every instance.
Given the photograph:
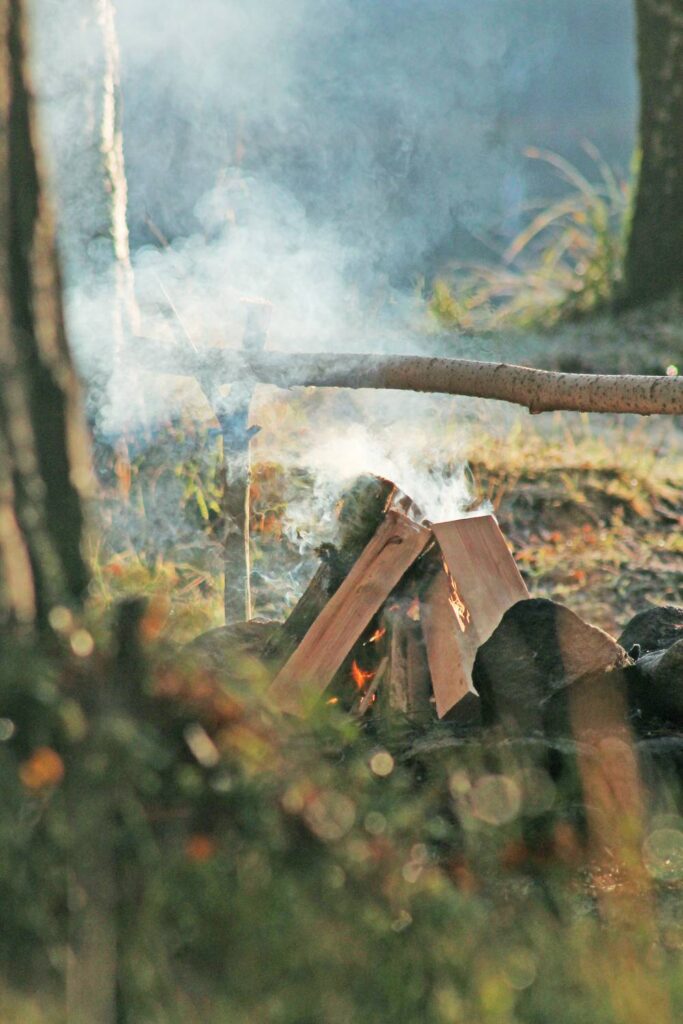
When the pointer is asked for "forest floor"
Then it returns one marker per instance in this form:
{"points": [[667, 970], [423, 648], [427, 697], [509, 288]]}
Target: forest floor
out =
{"points": [[592, 505], [635, 341]]}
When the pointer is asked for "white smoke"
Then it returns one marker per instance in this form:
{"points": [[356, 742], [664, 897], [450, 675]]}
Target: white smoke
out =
{"points": [[320, 154]]}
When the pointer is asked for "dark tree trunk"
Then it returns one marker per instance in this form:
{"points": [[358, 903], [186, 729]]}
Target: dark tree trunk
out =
{"points": [[43, 450], [654, 256]]}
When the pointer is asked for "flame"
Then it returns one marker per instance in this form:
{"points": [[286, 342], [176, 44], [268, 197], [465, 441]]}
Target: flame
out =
{"points": [[462, 612], [360, 676], [413, 611], [333, 700], [376, 636]]}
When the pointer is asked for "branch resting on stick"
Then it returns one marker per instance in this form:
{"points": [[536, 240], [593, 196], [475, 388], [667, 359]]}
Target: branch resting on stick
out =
{"points": [[537, 390]]}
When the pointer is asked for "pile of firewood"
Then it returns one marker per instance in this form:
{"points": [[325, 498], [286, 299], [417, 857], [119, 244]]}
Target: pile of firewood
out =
{"points": [[434, 621]]}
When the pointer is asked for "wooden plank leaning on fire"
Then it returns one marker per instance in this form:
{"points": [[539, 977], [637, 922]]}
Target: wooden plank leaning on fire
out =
{"points": [[536, 390], [464, 603], [361, 509], [392, 551]]}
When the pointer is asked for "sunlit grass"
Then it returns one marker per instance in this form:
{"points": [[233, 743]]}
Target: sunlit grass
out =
{"points": [[593, 516], [591, 507], [566, 261]]}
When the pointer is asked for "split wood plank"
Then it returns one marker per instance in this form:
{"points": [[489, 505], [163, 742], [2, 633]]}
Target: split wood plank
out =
{"points": [[390, 553], [449, 649], [465, 603], [409, 687]]}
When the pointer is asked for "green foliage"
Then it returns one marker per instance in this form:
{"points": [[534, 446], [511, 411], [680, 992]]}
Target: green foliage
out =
{"points": [[565, 263], [268, 871]]}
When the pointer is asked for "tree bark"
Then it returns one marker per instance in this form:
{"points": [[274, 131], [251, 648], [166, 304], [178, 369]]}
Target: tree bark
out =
{"points": [[654, 256], [536, 390], [43, 449]]}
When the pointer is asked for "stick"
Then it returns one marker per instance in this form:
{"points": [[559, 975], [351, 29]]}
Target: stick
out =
{"points": [[537, 390], [366, 699], [232, 413]]}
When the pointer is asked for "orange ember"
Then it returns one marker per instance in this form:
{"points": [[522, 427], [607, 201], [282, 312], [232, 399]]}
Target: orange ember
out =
{"points": [[376, 636], [360, 676]]}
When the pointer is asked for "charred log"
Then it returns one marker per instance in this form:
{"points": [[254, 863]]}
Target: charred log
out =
{"points": [[539, 647], [653, 629]]}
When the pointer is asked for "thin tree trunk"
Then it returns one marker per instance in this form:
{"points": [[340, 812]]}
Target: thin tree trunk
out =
{"points": [[654, 256], [43, 449], [79, 91], [536, 390]]}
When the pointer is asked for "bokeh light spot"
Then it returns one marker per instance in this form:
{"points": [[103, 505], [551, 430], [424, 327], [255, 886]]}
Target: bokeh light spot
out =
{"points": [[495, 799], [330, 816], [663, 854], [7, 729], [82, 643], [382, 763]]}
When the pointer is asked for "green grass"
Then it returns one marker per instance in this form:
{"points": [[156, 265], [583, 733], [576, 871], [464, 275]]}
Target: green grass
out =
{"points": [[591, 505], [295, 876], [564, 264]]}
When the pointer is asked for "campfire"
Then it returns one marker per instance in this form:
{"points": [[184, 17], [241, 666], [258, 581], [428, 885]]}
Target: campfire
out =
{"points": [[432, 621], [409, 616]]}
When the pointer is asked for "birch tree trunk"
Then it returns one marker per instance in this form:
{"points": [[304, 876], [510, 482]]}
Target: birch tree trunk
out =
{"points": [[654, 256], [79, 80], [43, 449]]}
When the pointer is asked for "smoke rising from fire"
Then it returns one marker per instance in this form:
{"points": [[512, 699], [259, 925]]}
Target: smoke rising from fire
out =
{"points": [[324, 155]]}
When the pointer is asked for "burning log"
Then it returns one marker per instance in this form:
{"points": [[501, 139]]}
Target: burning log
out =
{"points": [[392, 550], [433, 621], [370, 694], [230, 650], [362, 510], [409, 686], [536, 390]]}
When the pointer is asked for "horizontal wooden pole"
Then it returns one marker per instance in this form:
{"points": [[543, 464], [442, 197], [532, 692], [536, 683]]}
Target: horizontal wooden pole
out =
{"points": [[537, 390]]}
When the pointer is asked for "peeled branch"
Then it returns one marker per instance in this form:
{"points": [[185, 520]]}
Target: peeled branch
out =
{"points": [[537, 390]]}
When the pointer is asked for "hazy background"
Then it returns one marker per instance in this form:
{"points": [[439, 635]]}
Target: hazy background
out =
{"points": [[374, 139], [328, 156], [398, 124]]}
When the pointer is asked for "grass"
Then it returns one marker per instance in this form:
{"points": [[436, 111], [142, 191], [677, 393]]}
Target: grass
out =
{"points": [[318, 874], [593, 516], [591, 505], [305, 873], [564, 264]]}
